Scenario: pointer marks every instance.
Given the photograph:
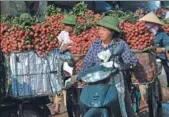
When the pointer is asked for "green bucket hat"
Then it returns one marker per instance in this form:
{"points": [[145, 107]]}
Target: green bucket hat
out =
{"points": [[68, 19], [109, 22]]}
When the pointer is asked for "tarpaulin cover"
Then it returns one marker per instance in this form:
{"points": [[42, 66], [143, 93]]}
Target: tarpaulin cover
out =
{"points": [[32, 75]]}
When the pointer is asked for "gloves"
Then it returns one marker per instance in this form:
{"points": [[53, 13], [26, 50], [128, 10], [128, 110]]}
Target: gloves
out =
{"points": [[108, 64], [105, 55], [125, 67]]}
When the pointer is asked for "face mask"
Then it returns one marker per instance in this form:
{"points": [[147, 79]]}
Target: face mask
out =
{"points": [[153, 30]]}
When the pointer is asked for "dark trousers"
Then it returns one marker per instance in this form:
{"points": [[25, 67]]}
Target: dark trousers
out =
{"points": [[166, 68], [128, 103], [69, 102]]}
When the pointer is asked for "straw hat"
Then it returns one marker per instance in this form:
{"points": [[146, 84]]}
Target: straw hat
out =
{"points": [[152, 18]]}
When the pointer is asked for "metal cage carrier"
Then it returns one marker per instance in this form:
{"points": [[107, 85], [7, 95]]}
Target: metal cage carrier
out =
{"points": [[33, 76]]}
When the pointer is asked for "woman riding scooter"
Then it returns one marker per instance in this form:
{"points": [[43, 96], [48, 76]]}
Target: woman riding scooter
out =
{"points": [[109, 37], [161, 38]]}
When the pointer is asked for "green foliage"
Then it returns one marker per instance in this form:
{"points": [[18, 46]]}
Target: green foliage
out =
{"points": [[52, 10]]}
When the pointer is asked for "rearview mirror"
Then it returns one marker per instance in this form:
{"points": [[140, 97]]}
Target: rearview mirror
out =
{"points": [[118, 50]]}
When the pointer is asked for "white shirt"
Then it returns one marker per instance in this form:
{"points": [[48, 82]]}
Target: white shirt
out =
{"points": [[64, 37], [167, 15]]}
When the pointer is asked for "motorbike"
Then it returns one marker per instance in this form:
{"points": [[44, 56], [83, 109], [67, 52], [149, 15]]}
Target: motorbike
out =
{"points": [[99, 96], [153, 95], [72, 92]]}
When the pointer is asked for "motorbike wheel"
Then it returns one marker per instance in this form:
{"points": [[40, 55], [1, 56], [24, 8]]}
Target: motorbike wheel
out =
{"points": [[154, 98], [93, 112], [72, 103], [9, 113], [76, 101], [32, 113], [26, 112]]}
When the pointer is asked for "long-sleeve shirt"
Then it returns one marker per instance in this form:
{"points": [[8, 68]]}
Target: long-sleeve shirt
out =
{"points": [[92, 59], [161, 39]]}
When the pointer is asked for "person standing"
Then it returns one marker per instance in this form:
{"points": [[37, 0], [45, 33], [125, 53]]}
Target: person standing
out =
{"points": [[64, 45], [161, 38]]}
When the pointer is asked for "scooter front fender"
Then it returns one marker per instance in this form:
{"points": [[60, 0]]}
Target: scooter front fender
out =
{"points": [[97, 112], [98, 96]]}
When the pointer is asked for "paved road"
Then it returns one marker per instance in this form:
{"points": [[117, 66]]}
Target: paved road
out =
{"points": [[163, 112]]}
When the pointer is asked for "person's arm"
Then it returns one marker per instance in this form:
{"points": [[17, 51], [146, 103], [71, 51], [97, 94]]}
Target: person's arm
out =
{"points": [[128, 56], [88, 60], [87, 63], [165, 40]]}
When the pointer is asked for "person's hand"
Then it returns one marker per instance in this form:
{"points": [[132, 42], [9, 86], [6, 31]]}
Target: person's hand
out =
{"points": [[74, 78], [104, 55], [159, 50], [125, 67], [69, 82], [65, 47], [167, 52], [153, 50], [80, 84]]}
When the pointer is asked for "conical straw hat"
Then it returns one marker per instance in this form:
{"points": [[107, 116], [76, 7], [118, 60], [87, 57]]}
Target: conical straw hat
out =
{"points": [[152, 18]]}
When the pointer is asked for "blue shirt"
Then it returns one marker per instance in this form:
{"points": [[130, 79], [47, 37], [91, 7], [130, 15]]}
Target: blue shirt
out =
{"points": [[92, 59], [161, 39]]}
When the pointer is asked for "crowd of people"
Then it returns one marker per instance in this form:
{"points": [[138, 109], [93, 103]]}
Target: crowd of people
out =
{"points": [[162, 13]]}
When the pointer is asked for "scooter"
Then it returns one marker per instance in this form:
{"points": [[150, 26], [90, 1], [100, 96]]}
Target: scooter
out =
{"points": [[99, 97], [154, 95], [72, 91]]}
